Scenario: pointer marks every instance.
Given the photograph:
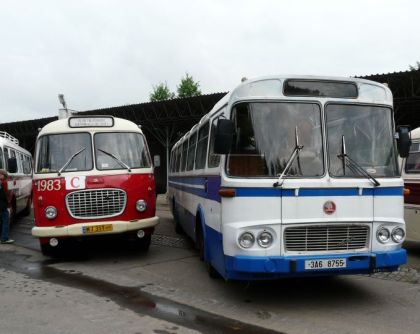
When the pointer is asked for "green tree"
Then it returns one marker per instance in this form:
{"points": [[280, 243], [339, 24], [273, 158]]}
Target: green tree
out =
{"points": [[188, 87], [161, 92], [415, 67]]}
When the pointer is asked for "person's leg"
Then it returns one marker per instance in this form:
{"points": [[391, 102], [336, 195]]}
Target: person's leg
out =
{"points": [[5, 225]]}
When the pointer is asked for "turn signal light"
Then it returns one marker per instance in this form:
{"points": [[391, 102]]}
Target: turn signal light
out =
{"points": [[407, 191], [40, 201], [227, 192]]}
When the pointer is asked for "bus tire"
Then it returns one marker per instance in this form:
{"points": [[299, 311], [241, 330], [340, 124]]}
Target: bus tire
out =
{"points": [[178, 227], [200, 243], [201, 246]]}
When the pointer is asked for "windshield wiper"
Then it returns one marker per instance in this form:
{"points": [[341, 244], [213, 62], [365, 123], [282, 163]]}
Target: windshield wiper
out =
{"points": [[116, 159], [70, 160], [289, 163], [353, 165]]}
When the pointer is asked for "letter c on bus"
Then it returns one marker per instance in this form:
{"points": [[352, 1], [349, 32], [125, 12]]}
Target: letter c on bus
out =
{"points": [[75, 184]]}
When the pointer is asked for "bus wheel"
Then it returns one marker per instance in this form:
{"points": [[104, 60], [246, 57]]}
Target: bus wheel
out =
{"points": [[178, 227], [200, 242], [201, 248]]}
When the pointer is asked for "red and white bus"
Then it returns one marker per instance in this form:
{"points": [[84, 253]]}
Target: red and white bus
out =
{"points": [[93, 176], [18, 163], [411, 175]]}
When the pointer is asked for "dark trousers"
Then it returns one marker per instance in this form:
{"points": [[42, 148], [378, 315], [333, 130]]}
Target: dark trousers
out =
{"points": [[4, 216]]}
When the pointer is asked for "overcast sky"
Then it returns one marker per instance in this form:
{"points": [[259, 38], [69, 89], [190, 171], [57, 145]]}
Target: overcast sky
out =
{"points": [[109, 53]]}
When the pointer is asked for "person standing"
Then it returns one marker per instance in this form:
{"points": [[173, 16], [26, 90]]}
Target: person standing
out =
{"points": [[4, 209]]}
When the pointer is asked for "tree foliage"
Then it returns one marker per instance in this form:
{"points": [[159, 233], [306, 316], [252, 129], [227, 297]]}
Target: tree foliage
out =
{"points": [[188, 87], [161, 92], [415, 67]]}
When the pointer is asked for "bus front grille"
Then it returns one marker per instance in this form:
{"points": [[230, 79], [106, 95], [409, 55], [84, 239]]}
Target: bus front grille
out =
{"points": [[98, 203], [326, 238]]}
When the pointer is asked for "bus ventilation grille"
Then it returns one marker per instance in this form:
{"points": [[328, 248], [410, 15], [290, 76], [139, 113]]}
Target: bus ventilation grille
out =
{"points": [[98, 203], [326, 238]]}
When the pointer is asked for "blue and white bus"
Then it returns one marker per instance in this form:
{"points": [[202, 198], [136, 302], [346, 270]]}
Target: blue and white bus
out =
{"points": [[293, 176]]}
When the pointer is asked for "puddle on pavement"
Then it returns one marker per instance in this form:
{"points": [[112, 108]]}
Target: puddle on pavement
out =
{"points": [[129, 297]]}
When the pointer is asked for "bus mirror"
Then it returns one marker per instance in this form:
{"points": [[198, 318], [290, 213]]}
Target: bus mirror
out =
{"points": [[223, 137], [403, 141], [12, 165]]}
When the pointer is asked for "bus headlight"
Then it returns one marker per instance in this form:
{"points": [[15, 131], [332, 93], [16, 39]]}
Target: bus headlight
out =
{"points": [[141, 205], [246, 240], [398, 235], [50, 212], [265, 239], [383, 235]]}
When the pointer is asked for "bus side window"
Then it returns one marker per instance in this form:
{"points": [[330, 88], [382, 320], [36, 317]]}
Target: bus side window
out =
{"points": [[214, 159], [26, 164], [178, 159], [20, 162], [184, 155], [6, 157], [2, 166], [200, 157], [191, 151]]}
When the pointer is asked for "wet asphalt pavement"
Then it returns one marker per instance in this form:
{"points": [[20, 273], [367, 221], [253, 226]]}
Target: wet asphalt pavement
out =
{"points": [[167, 285]]}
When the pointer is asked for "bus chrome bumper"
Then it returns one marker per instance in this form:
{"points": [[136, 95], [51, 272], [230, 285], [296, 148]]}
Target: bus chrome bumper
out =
{"points": [[73, 230], [244, 267]]}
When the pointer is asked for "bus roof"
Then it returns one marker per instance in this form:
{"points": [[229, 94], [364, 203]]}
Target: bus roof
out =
{"points": [[10, 141], [63, 126], [11, 144], [271, 87]]}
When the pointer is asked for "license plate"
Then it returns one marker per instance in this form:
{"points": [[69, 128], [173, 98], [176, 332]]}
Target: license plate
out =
{"points": [[97, 228], [325, 264]]}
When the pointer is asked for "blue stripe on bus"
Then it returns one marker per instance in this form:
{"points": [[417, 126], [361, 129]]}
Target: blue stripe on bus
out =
{"points": [[385, 191], [315, 192], [213, 186], [184, 184], [264, 192]]}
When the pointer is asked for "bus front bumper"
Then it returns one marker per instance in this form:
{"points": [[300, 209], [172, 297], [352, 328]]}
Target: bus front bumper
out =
{"points": [[94, 228], [244, 267]]}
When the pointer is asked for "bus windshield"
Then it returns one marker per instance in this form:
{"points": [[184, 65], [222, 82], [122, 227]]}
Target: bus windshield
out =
{"points": [[265, 137], [119, 150], [56, 150], [368, 138]]}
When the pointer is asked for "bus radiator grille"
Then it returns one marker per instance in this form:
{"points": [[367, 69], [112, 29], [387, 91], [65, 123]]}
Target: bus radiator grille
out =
{"points": [[326, 238], [98, 203]]}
